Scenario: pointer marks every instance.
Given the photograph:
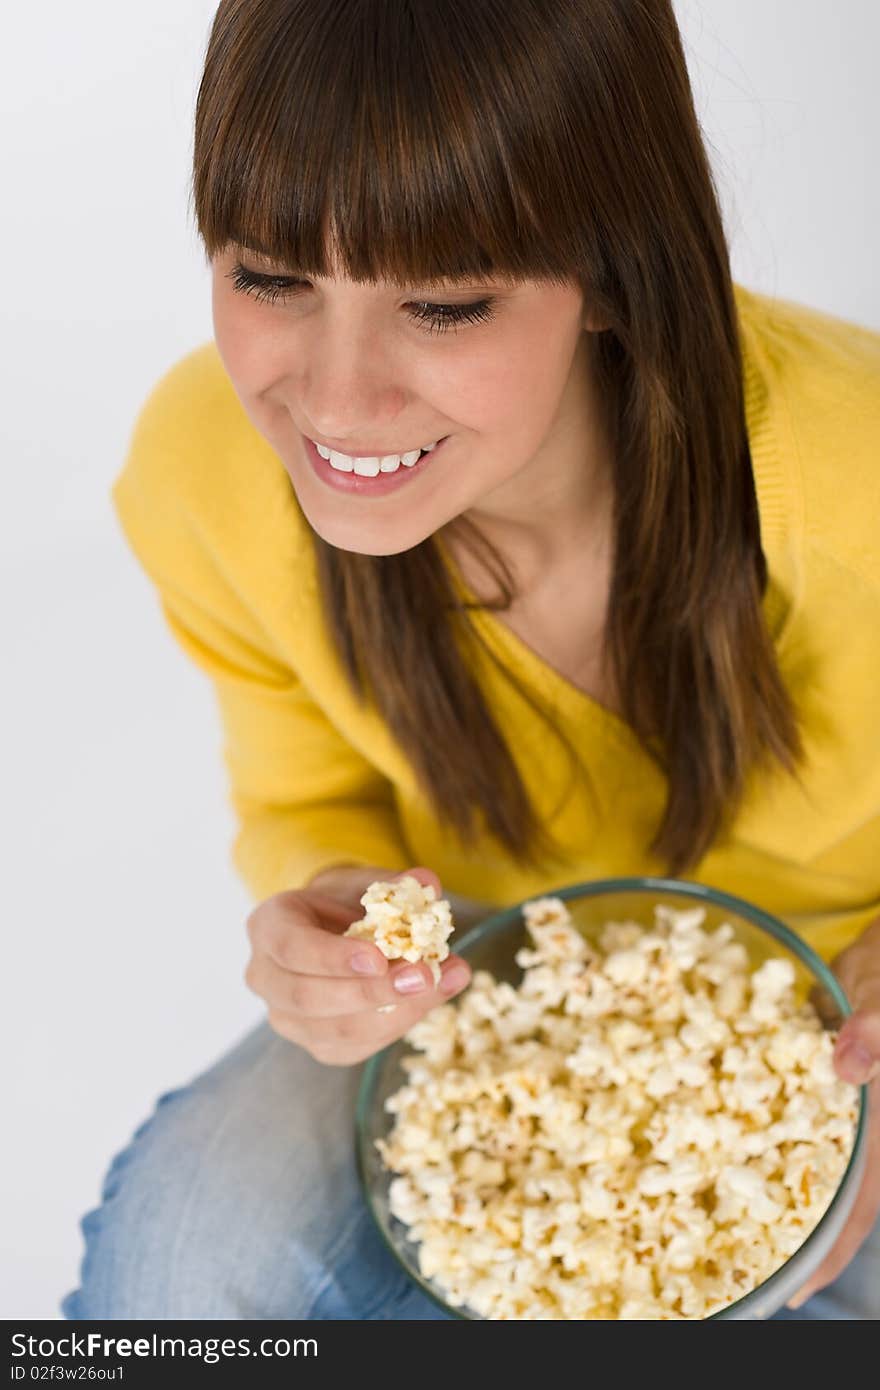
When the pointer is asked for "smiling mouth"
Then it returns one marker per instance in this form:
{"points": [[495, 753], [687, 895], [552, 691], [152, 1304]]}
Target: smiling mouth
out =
{"points": [[373, 480], [372, 466]]}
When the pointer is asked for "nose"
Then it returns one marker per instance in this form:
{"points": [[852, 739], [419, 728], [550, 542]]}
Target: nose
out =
{"points": [[351, 387]]}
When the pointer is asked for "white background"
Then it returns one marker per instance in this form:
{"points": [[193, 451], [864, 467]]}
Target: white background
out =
{"points": [[124, 919]]}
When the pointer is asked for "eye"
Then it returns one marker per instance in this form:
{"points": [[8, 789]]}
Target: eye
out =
{"points": [[268, 289]]}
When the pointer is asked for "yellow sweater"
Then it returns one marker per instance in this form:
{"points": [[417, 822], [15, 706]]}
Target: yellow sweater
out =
{"points": [[315, 779]]}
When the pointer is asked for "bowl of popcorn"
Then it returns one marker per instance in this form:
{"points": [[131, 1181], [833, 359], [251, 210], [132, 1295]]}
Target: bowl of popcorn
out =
{"points": [[631, 1112]]}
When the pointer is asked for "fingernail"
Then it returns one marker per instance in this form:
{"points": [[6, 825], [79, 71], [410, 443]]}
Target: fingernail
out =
{"points": [[456, 977], [855, 1063], [798, 1299], [364, 964], [409, 981]]}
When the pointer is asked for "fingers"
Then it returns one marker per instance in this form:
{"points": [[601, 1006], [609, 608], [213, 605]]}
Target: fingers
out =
{"points": [[303, 934], [825, 1007], [322, 996], [335, 1045], [854, 1233], [862, 1217], [426, 878], [857, 1050], [347, 883], [303, 930], [335, 995], [349, 1038]]}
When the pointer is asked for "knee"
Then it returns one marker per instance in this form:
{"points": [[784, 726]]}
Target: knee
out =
{"points": [[141, 1241], [228, 1201]]}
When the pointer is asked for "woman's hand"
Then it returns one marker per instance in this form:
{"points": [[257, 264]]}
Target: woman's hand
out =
{"points": [[857, 1059], [328, 992]]}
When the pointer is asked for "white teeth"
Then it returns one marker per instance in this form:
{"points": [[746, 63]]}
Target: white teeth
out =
{"points": [[370, 467]]}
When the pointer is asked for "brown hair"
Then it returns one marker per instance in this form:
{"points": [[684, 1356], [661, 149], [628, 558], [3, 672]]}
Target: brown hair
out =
{"points": [[546, 139]]}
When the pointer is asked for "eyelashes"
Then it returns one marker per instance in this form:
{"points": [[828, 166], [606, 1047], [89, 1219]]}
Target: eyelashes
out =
{"points": [[436, 318]]}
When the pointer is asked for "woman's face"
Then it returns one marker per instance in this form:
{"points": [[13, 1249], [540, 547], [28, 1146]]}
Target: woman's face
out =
{"points": [[350, 365]]}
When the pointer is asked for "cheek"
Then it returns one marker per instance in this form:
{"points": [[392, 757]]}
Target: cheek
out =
{"points": [[252, 361], [513, 388], [231, 335], [483, 392]]}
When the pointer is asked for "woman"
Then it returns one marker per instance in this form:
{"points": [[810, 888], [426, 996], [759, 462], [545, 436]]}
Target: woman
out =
{"points": [[518, 543]]}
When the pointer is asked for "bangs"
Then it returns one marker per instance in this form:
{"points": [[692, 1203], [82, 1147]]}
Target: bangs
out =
{"points": [[383, 142]]}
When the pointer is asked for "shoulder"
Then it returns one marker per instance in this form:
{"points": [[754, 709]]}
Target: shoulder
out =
{"points": [[822, 377], [806, 343], [196, 465], [193, 440]]}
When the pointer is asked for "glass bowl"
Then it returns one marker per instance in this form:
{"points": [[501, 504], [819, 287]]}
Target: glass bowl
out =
{"points": [[492, 946]]}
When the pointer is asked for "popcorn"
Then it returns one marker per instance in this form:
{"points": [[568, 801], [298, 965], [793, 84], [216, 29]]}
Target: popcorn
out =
{"points": [[407, 921], [643, 1129]]}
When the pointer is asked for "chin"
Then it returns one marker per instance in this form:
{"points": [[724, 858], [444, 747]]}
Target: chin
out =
{"points": [[358, 539]]}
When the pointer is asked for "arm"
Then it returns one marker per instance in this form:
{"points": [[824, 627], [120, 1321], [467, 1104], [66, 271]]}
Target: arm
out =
{"points": [[304, 798]]}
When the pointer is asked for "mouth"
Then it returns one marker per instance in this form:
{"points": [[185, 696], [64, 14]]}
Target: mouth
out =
{"points": [[371, 484]]}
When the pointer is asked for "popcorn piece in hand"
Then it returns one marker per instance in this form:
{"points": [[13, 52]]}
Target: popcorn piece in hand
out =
{"points": [[407, 921]]}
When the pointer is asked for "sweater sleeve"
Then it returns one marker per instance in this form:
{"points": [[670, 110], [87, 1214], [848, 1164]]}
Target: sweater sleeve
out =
{"points": [[304, 798]]}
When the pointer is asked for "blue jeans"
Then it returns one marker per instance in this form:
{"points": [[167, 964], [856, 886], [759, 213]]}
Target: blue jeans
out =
{"points": [[238, 1199]]}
